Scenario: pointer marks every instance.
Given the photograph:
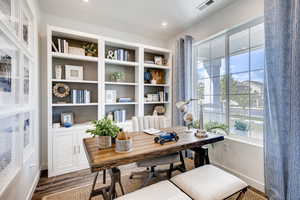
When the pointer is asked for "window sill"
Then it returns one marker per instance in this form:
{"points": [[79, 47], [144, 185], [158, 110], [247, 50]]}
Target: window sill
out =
{"points": [[245, 140]]}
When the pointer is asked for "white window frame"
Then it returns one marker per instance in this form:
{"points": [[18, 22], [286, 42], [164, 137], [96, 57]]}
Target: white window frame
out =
{"points": [[227, 34]]}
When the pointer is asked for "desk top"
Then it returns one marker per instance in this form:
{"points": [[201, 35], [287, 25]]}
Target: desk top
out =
{"points": [[143, 148]]}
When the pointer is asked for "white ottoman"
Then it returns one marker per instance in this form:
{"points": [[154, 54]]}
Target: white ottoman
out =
{"points": [[208, 183], [160, 191]]}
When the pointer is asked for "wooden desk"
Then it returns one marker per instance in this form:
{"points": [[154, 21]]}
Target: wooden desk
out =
{"points": [[143, 148]]}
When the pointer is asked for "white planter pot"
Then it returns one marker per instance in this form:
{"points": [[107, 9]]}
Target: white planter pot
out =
{"points": [[104, 142]]}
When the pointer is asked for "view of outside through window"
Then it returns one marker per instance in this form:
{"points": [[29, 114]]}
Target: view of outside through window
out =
{"points": [[231, 87]]}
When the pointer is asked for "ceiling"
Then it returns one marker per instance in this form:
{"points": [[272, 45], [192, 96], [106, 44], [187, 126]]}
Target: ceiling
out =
{"points": [[142, 17]]}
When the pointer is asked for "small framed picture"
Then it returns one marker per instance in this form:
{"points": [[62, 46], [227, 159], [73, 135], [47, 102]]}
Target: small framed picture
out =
{"points": [[67, 119], [110, 96], [74, 72], [158, 60]]}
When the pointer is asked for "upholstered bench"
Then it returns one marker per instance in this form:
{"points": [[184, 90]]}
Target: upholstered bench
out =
{"points": [[203, 183], [209, 183], [163, 190]]}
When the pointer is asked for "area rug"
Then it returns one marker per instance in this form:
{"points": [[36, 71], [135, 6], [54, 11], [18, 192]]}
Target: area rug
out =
{"points": [[83, 193]]}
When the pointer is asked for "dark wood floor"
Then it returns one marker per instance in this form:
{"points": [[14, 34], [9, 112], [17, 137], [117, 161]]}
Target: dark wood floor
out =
{"points": [[64, 182]]}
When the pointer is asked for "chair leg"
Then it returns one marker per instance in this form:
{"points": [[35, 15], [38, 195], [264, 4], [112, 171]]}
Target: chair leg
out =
{"points": [[242, 194], [149, 177], [104, 176], [170, 171], [182, 161]]}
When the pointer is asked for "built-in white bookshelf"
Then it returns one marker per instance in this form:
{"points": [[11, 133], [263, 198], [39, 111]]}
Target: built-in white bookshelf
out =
{"points": [[97, 78]]}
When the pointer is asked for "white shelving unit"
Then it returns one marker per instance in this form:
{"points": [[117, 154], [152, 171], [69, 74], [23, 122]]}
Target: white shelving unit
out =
{"points": [[97, 73]]}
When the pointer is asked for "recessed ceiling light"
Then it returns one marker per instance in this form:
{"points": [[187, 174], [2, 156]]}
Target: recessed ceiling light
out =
{"points": [[164, 24], [86, 1]]}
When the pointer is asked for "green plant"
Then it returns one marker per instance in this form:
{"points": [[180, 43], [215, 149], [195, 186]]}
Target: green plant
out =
{"points": [[214, 126], [90, 48], [104, 127], [240, 126], [117, 75]]}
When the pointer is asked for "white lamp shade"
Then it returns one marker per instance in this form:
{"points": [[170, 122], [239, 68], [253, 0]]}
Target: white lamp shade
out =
{"points": [[181, 105]]}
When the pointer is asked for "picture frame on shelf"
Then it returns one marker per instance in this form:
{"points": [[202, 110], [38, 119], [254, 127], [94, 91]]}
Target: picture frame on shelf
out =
{"points": [[74, 72], [9, 72], [9, 131], [67, 119]]}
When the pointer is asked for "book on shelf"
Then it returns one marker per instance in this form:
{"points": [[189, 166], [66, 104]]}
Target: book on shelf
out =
{"points": [[125, 99], [161, 96], [62, 46], [120, 116], [121, 54], [80, 96]]}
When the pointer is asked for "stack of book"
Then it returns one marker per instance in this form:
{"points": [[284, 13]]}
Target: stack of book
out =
{"points": [[163, 96], [120, 116], [125, 99], [80, 96], [121, 54], [62, 46]]}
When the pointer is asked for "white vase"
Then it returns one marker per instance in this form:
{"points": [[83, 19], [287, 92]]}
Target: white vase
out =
{"points": [[103, 142]]}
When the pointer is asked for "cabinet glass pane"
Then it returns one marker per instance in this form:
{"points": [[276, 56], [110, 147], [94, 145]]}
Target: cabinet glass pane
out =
{"points": [[239, 41]]}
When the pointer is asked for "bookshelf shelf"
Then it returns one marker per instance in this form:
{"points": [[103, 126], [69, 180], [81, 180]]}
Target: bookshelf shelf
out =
{"points": [[74, 81], [74, 104], [120, 83], [165, 102], [156, 85], [154, 66], [74, 57], [121, 103], [119, 62]]}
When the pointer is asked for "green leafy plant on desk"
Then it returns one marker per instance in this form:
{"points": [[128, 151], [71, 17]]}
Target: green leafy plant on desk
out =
{"points": [[104, 130]]}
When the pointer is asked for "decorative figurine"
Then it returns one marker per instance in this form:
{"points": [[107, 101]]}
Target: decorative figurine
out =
{"points": [[166, 137]]}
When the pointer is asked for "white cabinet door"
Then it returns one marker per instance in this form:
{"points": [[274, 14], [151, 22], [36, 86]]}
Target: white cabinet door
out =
{"points": [[82, 160], [64, 152]]}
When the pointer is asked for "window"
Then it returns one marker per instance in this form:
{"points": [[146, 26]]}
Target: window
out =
{"points": [[229, 79]]}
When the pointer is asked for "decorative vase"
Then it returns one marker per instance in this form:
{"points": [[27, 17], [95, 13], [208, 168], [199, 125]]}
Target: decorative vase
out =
{"points": [[104, 142]]}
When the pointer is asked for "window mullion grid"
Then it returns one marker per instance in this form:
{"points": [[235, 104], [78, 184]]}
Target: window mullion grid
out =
{"points": [[227, 80], [249, 94]]}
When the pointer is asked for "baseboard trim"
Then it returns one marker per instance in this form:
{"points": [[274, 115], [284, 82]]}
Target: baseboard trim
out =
{"points": [[32, 188], [252, 182]]}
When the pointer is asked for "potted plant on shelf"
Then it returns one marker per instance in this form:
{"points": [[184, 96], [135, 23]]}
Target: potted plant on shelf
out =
{"points": [[117, 76], [90, 49], [104, 131]]}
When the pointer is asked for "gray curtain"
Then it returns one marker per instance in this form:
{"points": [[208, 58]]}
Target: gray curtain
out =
{"points": [[182, 75], [282, 92]]}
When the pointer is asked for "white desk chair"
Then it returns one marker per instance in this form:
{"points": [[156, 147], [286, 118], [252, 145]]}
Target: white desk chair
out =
{"points": [[157, 122]]}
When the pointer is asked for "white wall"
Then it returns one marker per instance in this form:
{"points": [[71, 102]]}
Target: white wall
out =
{"points": [[23, 185], [83, 27], [243, 159]]}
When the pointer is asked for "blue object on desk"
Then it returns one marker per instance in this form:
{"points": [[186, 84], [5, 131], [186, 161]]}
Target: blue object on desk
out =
{"points": [[68, 124], [166, 137]]}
